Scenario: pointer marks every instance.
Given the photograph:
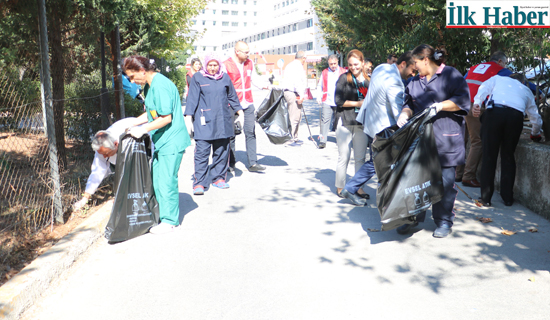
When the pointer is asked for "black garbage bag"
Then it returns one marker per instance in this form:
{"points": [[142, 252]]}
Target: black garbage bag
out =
{"points": [[136, 209], [272, 115], [408, 170]]}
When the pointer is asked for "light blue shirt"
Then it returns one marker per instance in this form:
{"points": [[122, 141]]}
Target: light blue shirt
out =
{"points": [[384, 100]]}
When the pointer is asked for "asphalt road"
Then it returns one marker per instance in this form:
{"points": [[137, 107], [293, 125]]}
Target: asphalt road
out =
{"points": [[282, 245]]}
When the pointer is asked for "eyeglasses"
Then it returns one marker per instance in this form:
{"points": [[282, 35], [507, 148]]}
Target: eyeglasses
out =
{"points": [[245, 52]]}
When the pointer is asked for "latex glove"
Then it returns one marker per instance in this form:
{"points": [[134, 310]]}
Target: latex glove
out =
{"points": [[402, 120], [437, 106], [80, 204], [476, 110], [189, 124], [137, 132], [536, 138]]}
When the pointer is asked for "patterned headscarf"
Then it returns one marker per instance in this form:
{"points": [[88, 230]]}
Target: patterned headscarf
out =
{"points": [[209, 57]]}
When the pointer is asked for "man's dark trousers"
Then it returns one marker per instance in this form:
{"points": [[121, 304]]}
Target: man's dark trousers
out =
{"points": [[500, 130], [250, 136]]}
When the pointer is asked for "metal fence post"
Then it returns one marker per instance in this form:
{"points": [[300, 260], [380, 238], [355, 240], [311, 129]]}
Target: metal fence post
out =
{"points": [[120, 93], [47, 108]]}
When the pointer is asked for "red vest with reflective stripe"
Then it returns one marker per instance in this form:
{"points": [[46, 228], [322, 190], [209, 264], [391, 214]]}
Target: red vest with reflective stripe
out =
{"points": [[325, 81], [235, 75], [479, 74]]}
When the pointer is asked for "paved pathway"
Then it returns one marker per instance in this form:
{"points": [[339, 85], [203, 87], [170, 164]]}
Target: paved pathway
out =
{"points": [[282, 245]]}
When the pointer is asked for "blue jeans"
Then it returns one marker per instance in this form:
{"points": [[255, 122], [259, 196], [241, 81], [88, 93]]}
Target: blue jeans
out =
{"points": [[363, 174]]}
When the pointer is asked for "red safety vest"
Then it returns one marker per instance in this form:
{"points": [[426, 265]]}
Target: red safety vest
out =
{"points": [[479, 74], [325, 81], [235, 75]]}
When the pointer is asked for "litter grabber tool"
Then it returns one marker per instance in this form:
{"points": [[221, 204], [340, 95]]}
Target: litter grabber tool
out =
{"points": [[476, 202]]}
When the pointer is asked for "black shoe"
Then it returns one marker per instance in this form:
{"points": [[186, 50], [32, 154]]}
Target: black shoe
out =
{"points": [[458, 179], [406, 228], [322, 145], [364, 195], [508, 203], [355, 199], [231, 169], [339, 193], [483, 203], [256, 168], [442, 231]]}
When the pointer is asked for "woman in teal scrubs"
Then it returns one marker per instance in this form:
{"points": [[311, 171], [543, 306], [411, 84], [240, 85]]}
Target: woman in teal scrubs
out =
{"points": [[166, 126]]}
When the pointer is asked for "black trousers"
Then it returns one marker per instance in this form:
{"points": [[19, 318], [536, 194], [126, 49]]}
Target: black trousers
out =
{"points": [[204, 175], [500, 130], [442, 212]]}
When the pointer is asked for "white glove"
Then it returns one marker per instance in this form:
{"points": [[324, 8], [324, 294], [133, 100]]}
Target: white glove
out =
{"points": [[437, 106], [189, 124], [240, 119], [80, 204], [137, 132], [402, 120]]}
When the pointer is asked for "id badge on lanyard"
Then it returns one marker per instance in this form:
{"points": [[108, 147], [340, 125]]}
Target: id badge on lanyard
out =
{"points": [[359, 94]]}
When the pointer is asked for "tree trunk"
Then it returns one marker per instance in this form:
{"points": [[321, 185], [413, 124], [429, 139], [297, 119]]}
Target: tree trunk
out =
{"points": [[115, 75], [58, 88], [495, 43]]}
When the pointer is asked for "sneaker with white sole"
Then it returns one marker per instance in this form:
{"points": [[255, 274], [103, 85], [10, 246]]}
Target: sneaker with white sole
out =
{"points": [[163, 227]]}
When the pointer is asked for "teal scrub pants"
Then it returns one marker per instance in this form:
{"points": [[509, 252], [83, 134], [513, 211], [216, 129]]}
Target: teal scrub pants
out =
{"points": [[165, 181]]}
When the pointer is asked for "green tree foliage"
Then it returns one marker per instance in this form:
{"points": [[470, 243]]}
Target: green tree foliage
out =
{"points": [[380, 27]]}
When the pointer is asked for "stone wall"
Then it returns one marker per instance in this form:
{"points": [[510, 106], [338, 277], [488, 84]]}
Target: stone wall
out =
{"points": [[532, 186]]}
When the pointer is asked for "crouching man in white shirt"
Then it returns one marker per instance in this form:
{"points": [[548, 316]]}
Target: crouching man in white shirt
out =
{"points": [[105, 145]]}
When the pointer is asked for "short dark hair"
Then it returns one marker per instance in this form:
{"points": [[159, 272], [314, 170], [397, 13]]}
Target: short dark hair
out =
{"points": [[391, 56], [406, 56], [519, 77], [195, 60], [369, 60]]}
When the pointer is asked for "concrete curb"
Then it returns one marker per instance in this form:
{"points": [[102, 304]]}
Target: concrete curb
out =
{"points": [[20, 292]]}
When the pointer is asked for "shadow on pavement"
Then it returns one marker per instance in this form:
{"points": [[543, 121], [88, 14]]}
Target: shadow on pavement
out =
{"points": [[187, 204]]}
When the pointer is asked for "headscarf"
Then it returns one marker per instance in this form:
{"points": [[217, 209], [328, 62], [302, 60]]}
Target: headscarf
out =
{"points": [[209, 57]]}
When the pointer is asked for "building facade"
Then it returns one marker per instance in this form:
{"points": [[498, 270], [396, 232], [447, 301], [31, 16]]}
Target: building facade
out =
{"points": [[270, 27]]}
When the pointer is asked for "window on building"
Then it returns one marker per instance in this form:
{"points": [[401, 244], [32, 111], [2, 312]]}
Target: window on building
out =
{"points": [[194, 22], [234, 1], [272, 33], [225, 12], [310, 46], [284, 50], [195, 48], [234, 13], [295, 48], [279, 51], [294, 27], [225, 23], [263, 35], [254, 38], [244, 24], [309, 23], [203, 22], [213, 11], [244, 13], [287, 2], [255, 2], [275, 7], [244, 1], [203, 11], [291, 1], [283, 4], [213, 23], [255, 13], [234, 24], [215, 48], [289, 49], [278, 31], [225, 1], [268, 34], [203, 48], [284, 30], [279, 6]]}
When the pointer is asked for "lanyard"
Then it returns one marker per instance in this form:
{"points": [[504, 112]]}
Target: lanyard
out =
{"points": [[357, 88]]}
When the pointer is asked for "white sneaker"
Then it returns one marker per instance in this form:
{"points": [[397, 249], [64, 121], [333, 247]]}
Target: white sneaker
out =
{"points": [[161, 228]]}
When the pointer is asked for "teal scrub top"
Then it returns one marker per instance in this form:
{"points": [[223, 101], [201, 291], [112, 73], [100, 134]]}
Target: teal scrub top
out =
{"points": [[163, 99]]}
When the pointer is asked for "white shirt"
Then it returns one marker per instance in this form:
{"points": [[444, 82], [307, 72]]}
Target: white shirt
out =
{"points": [[511, 93], [254, 80], [332, 78], [384, 100], [101, 165], [295, 78]]}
